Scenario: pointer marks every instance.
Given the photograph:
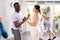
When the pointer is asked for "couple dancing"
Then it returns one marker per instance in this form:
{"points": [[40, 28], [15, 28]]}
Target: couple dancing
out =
{"points": [[35, 23]]}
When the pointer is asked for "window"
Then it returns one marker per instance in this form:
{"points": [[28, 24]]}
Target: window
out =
{"points": [[56, 11]]}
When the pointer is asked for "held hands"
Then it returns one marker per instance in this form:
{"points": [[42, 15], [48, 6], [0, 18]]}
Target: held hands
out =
{"points": [[25, 18]]}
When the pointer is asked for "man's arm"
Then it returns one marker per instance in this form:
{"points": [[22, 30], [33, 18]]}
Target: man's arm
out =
{"points": [[17, 24], [4, 33]]}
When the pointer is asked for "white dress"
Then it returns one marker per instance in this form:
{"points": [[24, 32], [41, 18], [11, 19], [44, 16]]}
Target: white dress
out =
{"points": [[35, 31]]}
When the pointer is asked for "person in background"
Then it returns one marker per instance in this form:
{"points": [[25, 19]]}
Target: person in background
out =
{"points": [[49, 23], [17, 21], [3, 32]]}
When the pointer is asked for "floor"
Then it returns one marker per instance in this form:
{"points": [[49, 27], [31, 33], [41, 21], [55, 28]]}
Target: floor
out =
{"points": [[27, 36]]}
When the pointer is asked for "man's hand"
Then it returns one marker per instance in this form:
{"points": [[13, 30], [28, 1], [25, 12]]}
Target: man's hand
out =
{"points": [[24, 19]]}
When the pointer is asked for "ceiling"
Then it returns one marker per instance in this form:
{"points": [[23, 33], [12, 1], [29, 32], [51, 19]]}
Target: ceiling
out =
{"points": [[42, 0]]}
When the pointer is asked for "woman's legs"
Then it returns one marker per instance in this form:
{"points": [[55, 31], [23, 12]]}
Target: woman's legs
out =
{"points": [[41, 33], [34, 34], [53, 34], [50, 35]]}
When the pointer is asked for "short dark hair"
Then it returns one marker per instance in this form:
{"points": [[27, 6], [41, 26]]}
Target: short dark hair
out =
{"points": [[37, 7], [15, 4]]}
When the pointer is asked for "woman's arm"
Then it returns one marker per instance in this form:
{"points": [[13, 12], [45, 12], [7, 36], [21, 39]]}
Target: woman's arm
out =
{"points": [[33, 23], [42, 19]]}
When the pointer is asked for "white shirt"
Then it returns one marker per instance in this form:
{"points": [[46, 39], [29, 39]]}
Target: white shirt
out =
{"points": [[50, 15], [16, 17]]}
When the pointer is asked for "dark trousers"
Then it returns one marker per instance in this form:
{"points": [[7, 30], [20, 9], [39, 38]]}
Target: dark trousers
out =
{"points": [[17, 34]]}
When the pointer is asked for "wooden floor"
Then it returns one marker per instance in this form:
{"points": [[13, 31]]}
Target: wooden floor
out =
{"points": [[27, 36]]}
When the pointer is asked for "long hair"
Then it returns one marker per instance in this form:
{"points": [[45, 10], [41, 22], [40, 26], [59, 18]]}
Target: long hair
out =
{"points": [[37, 7]]}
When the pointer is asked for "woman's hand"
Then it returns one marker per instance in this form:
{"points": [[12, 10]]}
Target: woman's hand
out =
{"points": [[26, 21], [28, 16]]}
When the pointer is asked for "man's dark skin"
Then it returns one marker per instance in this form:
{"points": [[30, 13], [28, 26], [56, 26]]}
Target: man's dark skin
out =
{"points": [[16, 23]]}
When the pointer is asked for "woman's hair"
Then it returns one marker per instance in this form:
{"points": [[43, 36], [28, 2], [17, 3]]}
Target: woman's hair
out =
{"points": [[37, 7]]}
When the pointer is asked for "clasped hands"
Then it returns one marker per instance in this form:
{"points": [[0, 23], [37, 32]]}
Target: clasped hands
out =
{"points": [[25, 18]]}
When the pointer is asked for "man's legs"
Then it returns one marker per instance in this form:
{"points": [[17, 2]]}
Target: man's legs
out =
{"points": [[51, 33], [17, 35]]}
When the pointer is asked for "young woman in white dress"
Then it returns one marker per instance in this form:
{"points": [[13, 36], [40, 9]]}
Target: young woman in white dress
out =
{"points": [[35, 23]]}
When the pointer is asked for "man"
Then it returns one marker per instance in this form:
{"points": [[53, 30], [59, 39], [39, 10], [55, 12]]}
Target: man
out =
{"points": [[3, 32], [49, 23], [0, 19], [17, 22], [0, 28]]}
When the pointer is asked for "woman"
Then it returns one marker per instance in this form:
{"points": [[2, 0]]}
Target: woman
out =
{"points": [[35, 23]]}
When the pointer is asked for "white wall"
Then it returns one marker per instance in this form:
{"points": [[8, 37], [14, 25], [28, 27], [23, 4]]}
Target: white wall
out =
{"points": [[42, 0]]}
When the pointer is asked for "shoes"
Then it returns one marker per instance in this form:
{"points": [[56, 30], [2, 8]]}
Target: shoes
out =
{"points": [[54, 37], [49, 39], [40, 39]]}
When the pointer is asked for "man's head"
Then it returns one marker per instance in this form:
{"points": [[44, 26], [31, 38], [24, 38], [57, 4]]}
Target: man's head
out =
{"points": [[48, 9], [17, 7], [0, 19]]}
